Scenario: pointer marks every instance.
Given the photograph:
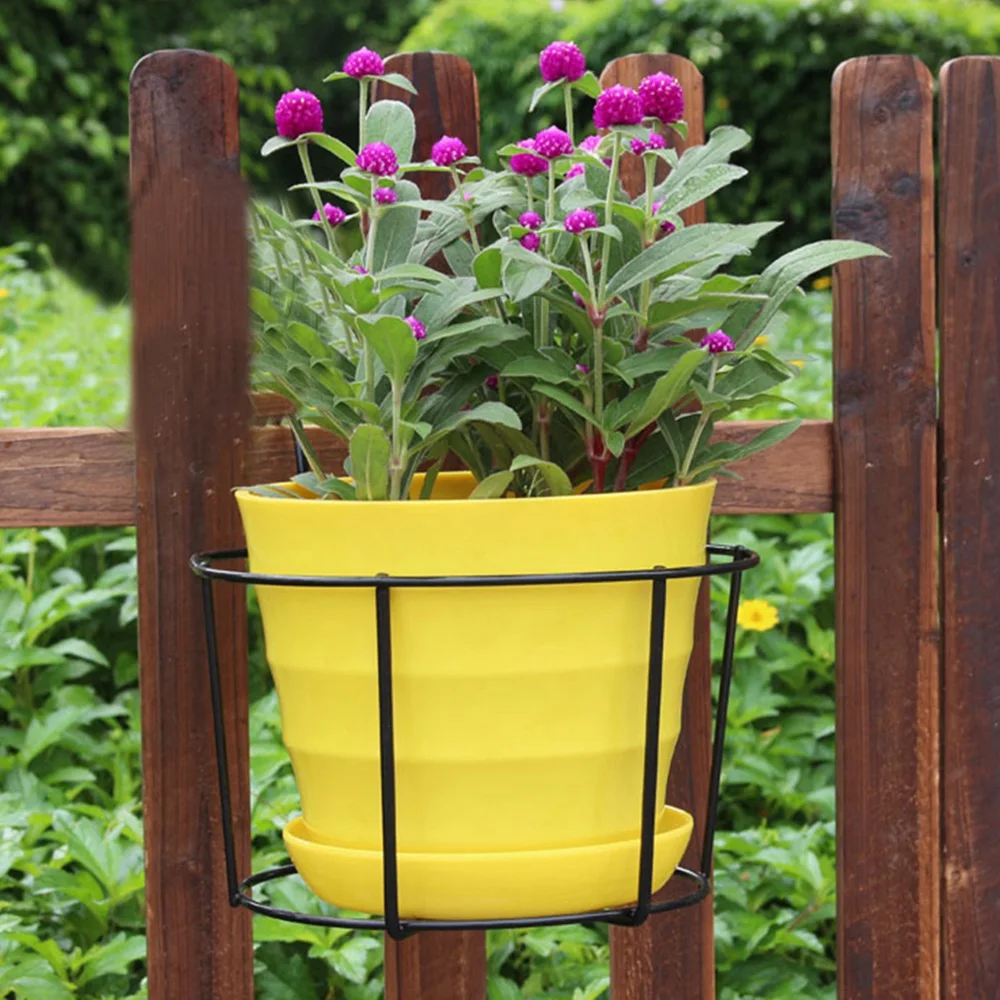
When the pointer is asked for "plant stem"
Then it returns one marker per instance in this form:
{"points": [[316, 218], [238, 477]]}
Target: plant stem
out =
{"points": [[370, 267], [598, 372], [396, 464], [702, 423], [465, 208], [303, 148], [362, 113], [568, 99], [646, 288], [609, 206]]}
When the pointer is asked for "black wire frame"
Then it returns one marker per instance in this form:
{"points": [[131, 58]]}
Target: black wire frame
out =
{"points": [[738, 561]]}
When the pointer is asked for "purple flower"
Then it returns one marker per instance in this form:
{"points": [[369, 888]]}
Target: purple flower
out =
{"points": [[360, 269], [618, 105], [638, 147], [578, 299], [562, 60], [666, 226], [656, 141], [364, 62], [418, 328], [580, 220], [334, 215], [531, 241], [590, 144], [583, 369], [718, 343], [530, 220], [553, 142], [385, 196], [492, 381], [447, 150], [528, 164], [576, 170], [662, 97], [378, 158], [298, 112]]}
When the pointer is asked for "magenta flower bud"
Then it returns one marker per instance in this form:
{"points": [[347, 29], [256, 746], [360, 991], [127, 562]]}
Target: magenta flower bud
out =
{"points": [[528, 164], [583, 369], [447, 150], [666, 226], [656, 141], [385, 196], [577, 170], [298, 112], [418, 328], [553, 142], [531, 241], [718, 343], [590, 144], [638, 147], [334, 215], [580, 220], [492, 381], [364, 62], [360, 269], [662, 97], [378, 158], [579, 300], [562, 60], [618, 105], [530, 220]]}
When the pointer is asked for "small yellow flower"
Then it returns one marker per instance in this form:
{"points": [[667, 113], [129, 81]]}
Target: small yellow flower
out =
{"points": [[821, 284], [757, 615], [797, 363], [760, 340], [4, 292]]}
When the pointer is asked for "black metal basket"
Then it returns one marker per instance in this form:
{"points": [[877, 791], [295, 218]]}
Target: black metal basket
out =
{"points": [[738, 560]]}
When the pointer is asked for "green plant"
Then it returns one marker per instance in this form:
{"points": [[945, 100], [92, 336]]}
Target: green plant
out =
{"points": [[567, 313], [767, 66]]}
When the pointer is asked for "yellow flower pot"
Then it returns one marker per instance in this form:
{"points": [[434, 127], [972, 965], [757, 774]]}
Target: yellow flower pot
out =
{"points": [[519, 711]]}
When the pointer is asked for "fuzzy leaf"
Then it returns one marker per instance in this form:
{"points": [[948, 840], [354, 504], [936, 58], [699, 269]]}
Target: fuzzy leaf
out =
{"points": [[555, 479], [492, 487], [392, 122], [392, 340], [667, 390], [370, 449]]}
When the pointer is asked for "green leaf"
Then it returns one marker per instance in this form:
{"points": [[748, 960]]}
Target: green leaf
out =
{"points": [[565, 399], [112, 958], [370, 449], [396, 230], [486, 266], [615, 441], [275, 143], [339, 149], [541, 91], [575, 281], [492, 487], [555, 479], [398, 80], [338, 487], [541, 368], [459, 257], [589, 84], [522, 280], [667, 390], [392, 122], [392, 340], [490, 412]]}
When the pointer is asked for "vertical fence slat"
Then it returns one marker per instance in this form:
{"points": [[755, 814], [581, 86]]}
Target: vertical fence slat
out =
{"points": [[888, 836], [437, 966], [675, 951], [191, 415], [969, 259]]}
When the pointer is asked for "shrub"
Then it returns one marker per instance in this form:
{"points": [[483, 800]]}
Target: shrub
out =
{"points": [[767, 65]]}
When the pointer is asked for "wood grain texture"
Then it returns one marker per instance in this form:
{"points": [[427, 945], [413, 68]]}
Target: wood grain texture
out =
{"points": [[65, 476], [191, 415], [887, 635], [674, 952], [437, 966], [969, 262]]}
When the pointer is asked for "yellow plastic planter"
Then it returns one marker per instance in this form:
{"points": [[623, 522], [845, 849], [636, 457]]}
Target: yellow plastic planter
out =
{"points": [[519, 711]]}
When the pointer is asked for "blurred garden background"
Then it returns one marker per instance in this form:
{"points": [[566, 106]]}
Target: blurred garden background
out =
{"points": [[71, 884]]}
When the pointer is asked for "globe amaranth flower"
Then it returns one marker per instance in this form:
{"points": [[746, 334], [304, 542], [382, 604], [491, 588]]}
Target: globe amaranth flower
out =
{"points": [[531, 241], [492, 381], [298, 112], [530, 220], [562, 61], [590, 144], [583, 369], [577, 170], [360, 269], [528, 164], [378, 158], [662, 97], [618, 105], [580, 220], [718, 342], [579, 300], [418, 328], [666, 226], [385, 196], [552, 142], [334, 215], [364, 62], [656, 141], [447, 150]]}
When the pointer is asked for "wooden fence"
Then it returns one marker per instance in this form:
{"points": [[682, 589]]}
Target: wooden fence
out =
{"points": [[910, 465]]}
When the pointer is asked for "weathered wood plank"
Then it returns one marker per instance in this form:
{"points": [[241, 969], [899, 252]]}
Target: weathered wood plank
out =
{"points": [[191, 414], [435, 966], [675, 951], [887, 644], [969, 260]]}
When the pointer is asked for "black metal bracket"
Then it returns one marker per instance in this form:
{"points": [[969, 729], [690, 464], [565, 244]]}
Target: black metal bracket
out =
{"points": [[739, 560]]}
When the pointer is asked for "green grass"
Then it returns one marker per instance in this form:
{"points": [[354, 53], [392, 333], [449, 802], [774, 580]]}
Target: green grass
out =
{"points": [[71, 900]]}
